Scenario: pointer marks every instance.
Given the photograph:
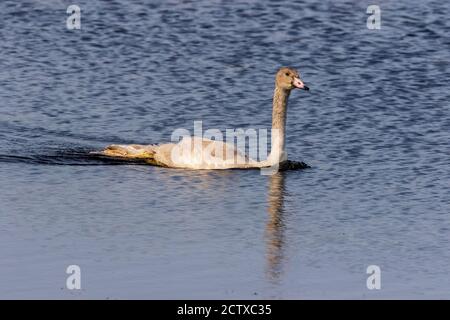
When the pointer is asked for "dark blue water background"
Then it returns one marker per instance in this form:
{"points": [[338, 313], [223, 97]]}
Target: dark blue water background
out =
{"points": [[375, 128]]}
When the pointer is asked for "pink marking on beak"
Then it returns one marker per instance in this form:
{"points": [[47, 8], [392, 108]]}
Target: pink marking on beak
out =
{"points": [[299, 84]]}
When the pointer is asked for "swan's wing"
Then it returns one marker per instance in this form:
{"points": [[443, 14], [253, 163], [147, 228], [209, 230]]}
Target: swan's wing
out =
{"points": [[130, 151], [201, 153], [190, 152], [159, 155]]}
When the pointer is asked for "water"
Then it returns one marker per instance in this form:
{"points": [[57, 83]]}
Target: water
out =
{"points": [[374, 128]]}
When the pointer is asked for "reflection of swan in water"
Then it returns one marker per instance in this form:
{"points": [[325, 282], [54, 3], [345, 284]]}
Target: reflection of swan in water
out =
{"points": [[275, 227], [201, 153]]}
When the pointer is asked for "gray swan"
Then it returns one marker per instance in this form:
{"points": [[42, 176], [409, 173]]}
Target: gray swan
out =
{"points": [[193, 152]]}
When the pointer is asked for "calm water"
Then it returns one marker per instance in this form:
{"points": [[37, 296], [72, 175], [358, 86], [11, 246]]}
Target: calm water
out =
{"points": [[375, 128]]}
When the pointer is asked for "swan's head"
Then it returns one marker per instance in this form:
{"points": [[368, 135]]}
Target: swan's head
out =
{"points": [[289, 78]]}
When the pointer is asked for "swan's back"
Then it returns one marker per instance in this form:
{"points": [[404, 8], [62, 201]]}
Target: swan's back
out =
{"points": [[201, 153], [190, 152]]}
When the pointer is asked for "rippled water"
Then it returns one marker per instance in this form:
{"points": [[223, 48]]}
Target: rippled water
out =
{"points": [[374, 128]]}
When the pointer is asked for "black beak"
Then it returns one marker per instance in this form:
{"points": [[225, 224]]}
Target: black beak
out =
{"points": [[305, 88]]}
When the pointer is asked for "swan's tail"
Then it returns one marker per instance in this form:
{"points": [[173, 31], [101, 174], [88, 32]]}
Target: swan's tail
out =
{"points": [[134, 151]]}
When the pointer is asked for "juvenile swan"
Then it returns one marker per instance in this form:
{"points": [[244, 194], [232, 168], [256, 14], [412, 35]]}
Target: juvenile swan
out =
{"points": [[201, 153]]}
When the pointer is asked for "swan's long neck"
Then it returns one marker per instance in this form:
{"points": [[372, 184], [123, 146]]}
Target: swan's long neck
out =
{"points": [[280, 99]]}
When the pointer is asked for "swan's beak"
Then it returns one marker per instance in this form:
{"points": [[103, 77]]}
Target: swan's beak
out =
{"points": [[299, 84]]}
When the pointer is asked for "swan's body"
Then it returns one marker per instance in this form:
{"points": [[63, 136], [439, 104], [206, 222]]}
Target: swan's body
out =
{"points": [[201, 153], [189, 153]]}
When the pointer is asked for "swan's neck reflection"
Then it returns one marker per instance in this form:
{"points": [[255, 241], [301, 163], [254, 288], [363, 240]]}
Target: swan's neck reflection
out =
{"points": [[275, 227]]}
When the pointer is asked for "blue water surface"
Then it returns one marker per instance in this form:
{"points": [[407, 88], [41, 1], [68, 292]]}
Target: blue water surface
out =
{"points": [[375, 129]]}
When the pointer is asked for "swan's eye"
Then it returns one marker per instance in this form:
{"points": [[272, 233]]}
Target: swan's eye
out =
{"points": [[288, 74]]}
